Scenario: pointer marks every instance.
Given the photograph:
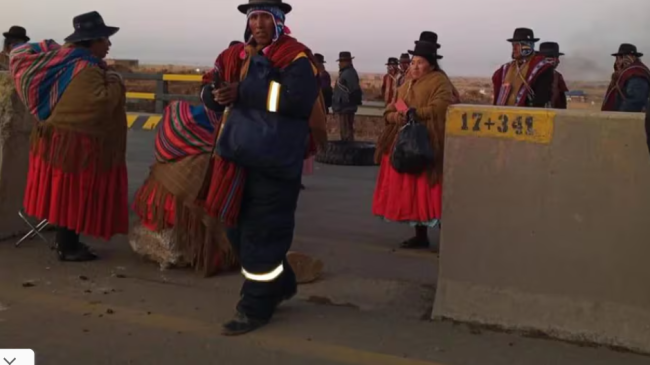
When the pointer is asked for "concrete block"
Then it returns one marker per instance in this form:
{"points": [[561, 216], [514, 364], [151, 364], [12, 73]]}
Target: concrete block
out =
{"points": [[15, 127], [547, 229]]}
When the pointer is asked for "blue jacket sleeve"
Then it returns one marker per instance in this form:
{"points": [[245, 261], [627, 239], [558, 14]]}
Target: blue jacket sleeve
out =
{"points": [[637, 91], [291, 91]]}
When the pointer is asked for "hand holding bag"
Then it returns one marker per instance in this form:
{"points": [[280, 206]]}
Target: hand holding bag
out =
{"points": [[412, 153]]}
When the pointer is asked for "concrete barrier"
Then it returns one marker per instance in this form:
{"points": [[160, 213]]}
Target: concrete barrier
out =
{"points": [[15, 127], [547, 224]]}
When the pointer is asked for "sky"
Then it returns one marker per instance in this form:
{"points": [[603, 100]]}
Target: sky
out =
{"points": [[472, 33]]}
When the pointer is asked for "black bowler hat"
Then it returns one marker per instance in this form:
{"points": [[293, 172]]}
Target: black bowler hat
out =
{"points": [[392, 61], [17, 32], [90, 26], [427, 46], [286, 8], [627, 49], [405, 57], [345, 56], [319, 57], [550, 49], [429, 37], [523, 35]]}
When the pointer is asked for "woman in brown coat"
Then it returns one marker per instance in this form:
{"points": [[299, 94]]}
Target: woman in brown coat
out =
{"points": [[407, 198]]}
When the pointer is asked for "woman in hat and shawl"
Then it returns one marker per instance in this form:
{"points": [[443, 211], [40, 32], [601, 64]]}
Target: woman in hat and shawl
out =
{"points": [[77, 176], [406, 198], [16, 35], [259, 205]]}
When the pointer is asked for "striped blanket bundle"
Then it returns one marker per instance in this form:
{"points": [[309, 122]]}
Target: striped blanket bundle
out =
{"points": [[185, 130], [42, 71]]}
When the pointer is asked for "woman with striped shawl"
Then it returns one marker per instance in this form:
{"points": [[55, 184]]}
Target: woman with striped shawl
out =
{"points": [[77, 177], [174, 229]]}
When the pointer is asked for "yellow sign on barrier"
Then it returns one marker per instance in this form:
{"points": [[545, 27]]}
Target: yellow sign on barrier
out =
{"points": [[520, 124]]}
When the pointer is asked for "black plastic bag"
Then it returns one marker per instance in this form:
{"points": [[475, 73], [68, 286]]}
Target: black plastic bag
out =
{"points": [[412, 152]]}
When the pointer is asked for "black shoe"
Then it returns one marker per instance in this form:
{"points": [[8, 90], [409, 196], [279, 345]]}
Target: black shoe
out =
{"points": [[81, 253], [241, 325], [414, 243]]}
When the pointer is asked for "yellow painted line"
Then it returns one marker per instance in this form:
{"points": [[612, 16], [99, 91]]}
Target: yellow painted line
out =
{"points": [[269, 341], [173, 77], [130, 119], [152, 122], [147, 96], [519, 124]]}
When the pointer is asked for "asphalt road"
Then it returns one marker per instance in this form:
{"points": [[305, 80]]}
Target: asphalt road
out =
{"points": [[371, 307]]}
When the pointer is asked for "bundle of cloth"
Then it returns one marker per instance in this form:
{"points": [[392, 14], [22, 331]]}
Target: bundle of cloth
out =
{"points": [[170, 201]]}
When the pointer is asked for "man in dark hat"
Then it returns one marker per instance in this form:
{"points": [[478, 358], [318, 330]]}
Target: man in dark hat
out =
{"points": [[404, 63], [551, 51], [272, 77], [526, 81], [325, 81], [389, 84], [14, 36], [347, 96], [630, 84]]}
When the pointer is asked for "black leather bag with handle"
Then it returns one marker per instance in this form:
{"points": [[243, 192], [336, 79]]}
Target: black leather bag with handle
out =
{"points": [[412, 152]]}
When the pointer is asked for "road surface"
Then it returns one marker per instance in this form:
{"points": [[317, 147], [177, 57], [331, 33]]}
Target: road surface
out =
{"points": [[371, 308]]}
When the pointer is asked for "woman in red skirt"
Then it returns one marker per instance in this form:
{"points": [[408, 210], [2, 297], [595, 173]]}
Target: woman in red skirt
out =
{"points": [[77, 176], [406, 198]]}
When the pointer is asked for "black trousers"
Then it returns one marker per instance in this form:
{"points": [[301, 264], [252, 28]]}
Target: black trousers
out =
{"points": [[262, 239], [66, 239]]}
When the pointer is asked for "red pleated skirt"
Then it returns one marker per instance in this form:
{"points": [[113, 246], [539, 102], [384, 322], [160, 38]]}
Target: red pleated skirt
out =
{"points": [[91, 202], [406, 198]]}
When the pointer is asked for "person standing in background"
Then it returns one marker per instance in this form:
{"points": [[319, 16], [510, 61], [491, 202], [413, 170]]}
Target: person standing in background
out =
{"points": [[404, 64], [415, 199], [629, 88], [527, 80], [389, 84], [326, 82], [551, 51], [347, 96], [15, 36]]}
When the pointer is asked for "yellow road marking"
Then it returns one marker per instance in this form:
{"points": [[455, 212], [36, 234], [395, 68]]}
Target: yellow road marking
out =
{"points": [[273, 342], [152, 122], [520, 124], [145, 96], [130, 119], [174, 77]]}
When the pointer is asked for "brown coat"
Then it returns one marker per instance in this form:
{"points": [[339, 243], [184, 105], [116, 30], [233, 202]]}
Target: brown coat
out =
{"points": [[93, 105], [430, 96]]}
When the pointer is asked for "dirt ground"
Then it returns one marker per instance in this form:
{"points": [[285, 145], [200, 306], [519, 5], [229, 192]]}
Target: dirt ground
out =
{"points": [[372, 306]]}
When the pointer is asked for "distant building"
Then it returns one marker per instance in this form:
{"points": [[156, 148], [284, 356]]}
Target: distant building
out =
{"points": [[576, 95]]}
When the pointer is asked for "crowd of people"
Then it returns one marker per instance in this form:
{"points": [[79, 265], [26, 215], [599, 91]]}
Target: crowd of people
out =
{"points": [[227, 174]]}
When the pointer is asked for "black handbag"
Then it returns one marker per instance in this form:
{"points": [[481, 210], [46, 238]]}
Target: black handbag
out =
{"points": [[412, 153]]}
